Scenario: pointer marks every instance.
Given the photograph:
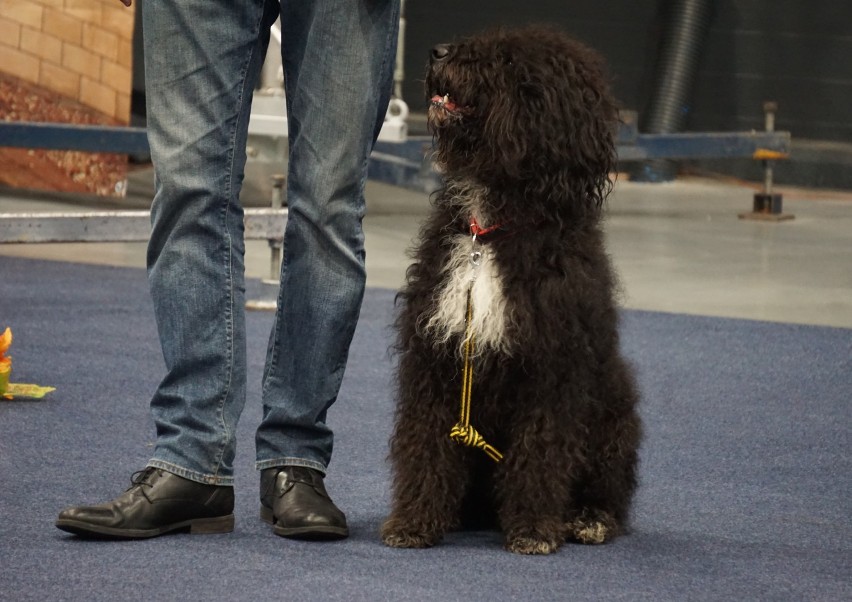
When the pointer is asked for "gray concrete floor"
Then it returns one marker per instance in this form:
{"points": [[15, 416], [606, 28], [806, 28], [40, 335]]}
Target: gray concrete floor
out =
{"points": [[677, 247]]}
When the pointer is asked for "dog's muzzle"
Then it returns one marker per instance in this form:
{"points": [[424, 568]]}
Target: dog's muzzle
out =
{"points": [[442, 107], [444, 102]]}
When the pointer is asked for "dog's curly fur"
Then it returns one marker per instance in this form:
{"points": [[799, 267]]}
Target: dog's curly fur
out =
{"points": [[523, 122]]}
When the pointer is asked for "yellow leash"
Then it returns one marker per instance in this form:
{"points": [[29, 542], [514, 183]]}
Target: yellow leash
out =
{"points": [[463, 432]]}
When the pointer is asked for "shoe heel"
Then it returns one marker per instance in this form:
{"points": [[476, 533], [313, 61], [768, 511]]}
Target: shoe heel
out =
{"points": [[207, 526], [266, 515]]}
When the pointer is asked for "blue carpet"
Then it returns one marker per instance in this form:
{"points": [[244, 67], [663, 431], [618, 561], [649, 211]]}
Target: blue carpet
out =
{"points": [[745, 476]]}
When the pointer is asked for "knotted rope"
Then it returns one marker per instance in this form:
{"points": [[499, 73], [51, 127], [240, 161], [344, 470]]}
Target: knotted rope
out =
{"points": [[463, 432]]}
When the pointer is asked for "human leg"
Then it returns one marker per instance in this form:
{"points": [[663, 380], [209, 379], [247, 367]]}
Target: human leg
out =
{"points": [[202, 61], [338, 63], [338, 60]]}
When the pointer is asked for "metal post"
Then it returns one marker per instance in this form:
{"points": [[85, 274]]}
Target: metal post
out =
{"points": [[399, 68], [767, 204], [276, 247], [276, 244], [769, 109]]}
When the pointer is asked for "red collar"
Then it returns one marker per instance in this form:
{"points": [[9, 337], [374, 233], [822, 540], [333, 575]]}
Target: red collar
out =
{"points": [[486, 235]]}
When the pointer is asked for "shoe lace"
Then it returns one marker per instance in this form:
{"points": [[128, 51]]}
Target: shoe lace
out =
{"points": [[139, 480], [298, 474], [295, 474]]}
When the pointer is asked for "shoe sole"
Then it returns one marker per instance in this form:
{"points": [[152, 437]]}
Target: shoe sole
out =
{"points": [[322, 533], [197, 526]]}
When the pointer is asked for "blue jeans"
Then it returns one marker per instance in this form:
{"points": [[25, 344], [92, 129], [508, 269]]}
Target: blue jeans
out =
{"points": [[202, 62]]}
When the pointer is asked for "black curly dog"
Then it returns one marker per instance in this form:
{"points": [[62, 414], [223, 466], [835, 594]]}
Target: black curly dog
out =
{"points": [[523, 123]]}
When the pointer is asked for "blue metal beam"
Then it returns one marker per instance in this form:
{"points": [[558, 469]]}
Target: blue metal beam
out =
{"points": [[408, 163], [706, 145], [63, 136]]}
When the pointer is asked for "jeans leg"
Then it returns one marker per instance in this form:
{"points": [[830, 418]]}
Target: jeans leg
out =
{"points": [[338, 62], [202, 59]]}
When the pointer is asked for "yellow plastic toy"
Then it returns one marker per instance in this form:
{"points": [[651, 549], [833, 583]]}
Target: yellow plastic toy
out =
{"points": [[11, 390], [5, 362]]}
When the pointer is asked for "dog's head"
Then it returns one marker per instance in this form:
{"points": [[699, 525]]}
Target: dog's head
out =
{"points": [[528, 111]]}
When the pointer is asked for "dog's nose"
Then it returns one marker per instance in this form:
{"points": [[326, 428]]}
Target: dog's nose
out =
{"points": [[440, 52]]}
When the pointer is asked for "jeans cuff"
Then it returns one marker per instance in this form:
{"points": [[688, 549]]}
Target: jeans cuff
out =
{"points": [[191, 474], [264, 464]]}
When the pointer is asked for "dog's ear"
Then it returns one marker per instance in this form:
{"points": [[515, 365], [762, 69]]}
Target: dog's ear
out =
{"points": [[515, 115], [590, 119], [556, 123]]}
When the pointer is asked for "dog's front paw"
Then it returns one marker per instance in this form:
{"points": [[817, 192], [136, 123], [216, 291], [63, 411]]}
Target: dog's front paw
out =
{"points": [[531, 544], [398, 534], [593, 527]]}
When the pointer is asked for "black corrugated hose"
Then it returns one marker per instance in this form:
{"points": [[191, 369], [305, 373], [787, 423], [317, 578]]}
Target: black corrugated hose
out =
{"points": [[685, 28]]}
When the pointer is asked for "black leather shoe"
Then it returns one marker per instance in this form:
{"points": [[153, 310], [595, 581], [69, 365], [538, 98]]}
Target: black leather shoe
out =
{"points": [[294, 501], [156, 503]]}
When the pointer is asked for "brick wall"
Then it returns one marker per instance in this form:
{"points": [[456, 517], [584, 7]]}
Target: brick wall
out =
{"points": [[81, 49]]}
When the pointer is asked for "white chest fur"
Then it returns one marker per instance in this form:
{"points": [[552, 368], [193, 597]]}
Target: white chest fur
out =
{"points": [[489, 316]]}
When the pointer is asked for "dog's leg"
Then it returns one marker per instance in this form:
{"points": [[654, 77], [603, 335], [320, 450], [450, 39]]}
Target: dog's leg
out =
{"points": [[426, 505], [430, 475], [603, 494], [429, 486], [533, 493]]}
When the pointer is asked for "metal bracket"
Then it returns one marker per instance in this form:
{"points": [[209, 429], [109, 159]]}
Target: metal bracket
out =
{"points": [[116, 226]]}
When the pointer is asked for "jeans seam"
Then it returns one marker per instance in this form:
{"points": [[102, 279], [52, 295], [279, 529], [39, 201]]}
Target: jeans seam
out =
{"points": [[229, 260], [273, 359]]}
